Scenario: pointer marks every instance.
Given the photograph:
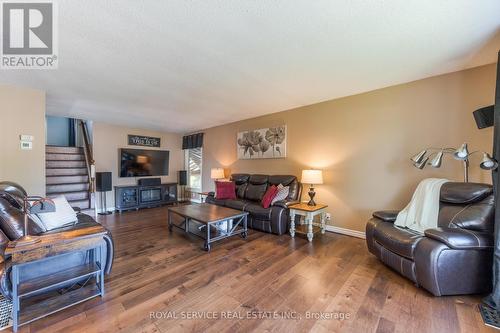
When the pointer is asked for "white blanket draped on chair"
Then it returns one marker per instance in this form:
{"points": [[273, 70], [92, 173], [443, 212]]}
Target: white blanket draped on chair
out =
{"points": [[422, 211]]}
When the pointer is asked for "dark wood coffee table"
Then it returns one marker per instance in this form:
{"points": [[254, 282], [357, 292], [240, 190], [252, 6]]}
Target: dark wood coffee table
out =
{"points": [[209, 222]]}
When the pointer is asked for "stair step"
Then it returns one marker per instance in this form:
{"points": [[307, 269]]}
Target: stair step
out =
{"points": [[57, 188], [52, 180], [83, 204], [65, 164], [64, 157], [66, 172], [63, 150], [71, 196]]}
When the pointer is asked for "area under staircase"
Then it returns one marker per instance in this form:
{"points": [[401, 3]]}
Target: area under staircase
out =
{"points": [[69, 172]]}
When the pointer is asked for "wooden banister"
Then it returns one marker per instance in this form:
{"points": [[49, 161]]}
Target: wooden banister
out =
{"points": [[89, 160]]}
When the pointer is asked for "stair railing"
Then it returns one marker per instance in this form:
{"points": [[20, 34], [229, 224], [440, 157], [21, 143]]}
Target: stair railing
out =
{"points": [[89, 161]]}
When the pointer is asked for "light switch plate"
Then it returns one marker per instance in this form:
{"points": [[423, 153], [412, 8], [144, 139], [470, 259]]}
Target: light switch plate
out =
{"points": [[26, 145]]}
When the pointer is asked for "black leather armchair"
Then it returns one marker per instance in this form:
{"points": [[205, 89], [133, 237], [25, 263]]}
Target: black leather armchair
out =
{"points": [[12, 228], [249, 192], [454, 258]]}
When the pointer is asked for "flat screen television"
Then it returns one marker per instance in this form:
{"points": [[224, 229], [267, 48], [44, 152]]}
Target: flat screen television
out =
{"points": [[143, 162]]}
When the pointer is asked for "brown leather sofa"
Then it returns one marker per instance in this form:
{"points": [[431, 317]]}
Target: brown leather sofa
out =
{"points": [[453, 259], [249, 192], [12, 228]]}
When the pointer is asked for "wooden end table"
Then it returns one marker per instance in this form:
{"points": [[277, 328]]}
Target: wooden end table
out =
{"points": [[202, 195], [309, 212], [86, 239]]}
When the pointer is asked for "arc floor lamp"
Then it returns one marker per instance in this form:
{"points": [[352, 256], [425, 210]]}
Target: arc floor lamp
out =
{"points": [[486, 117], [436, 155]]}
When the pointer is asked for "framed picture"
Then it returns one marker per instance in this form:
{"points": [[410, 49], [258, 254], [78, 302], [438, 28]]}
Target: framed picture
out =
{"points": [[262, 143]]}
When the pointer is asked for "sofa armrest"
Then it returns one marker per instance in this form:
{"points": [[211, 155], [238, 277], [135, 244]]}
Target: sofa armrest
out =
{"points": [[5, 286], [285, 203], [386, 215], [460, 239], [211, 194]]}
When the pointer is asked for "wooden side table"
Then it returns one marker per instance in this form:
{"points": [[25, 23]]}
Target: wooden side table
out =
{"points": [[88, 239], [309, 212], [201, 194]]}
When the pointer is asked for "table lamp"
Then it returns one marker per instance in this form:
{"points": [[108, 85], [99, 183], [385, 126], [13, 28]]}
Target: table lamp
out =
{"points": [[217, 173], [312, 177]]}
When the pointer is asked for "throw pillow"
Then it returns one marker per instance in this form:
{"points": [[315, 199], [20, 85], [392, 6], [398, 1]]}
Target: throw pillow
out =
{"points": [[225, 190], [64, 214], [282, 193], [269, 196]]}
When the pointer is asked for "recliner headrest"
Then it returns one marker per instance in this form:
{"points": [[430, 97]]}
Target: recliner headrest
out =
{"points": [[258, 179], [240, 178], [464, 193], [281, 179]]}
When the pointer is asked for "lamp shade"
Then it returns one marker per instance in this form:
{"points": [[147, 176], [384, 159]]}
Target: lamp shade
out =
{"points": [[312, 177], [421, 164], [419, 157], [488, 163], [217, 173], [461, 153], [436, 161]]}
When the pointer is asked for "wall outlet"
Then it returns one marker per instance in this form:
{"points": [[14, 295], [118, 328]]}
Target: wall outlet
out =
{"points": [[328, 216]]}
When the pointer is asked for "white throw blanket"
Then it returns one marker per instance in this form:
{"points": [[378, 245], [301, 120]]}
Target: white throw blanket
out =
{"points": [[422, 211]]}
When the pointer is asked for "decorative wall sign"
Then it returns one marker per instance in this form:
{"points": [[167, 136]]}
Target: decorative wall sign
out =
{"points": [[147, 141], [262, 143]]}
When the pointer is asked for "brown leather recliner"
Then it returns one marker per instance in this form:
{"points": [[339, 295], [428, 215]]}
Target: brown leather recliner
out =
{"points": [[453, 259]]}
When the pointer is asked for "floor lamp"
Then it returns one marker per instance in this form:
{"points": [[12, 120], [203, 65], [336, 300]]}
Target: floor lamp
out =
{"points": [[490, 308]]}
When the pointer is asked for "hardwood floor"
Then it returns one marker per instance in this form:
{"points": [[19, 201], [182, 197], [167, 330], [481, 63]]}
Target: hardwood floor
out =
{"points": [[158, 275]]}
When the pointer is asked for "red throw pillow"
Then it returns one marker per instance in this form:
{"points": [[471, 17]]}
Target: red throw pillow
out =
{"points": [[269, 196], [225, 190]]}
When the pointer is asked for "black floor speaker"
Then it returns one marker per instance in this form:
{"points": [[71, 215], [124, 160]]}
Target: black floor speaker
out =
{"points": [[103, 184]]}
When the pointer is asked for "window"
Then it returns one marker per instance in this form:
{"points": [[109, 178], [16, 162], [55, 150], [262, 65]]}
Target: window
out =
{"points": [[193, 166]]}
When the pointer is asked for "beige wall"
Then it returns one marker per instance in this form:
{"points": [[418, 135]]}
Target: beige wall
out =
{"points": [[109, 138], [22, 111], [363, 142]]}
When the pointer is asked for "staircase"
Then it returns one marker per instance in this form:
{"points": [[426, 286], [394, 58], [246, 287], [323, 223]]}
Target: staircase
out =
{"points": [[66, 174]]}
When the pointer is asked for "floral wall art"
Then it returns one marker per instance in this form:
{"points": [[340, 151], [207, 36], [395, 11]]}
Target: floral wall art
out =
{"points": [[262, 143]]}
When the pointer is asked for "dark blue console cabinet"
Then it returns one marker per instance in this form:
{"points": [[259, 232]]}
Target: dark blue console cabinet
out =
{"points": [[144, 196]]}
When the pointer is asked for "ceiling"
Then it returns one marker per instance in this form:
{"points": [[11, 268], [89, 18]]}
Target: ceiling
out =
{"points": [[181, 65]]}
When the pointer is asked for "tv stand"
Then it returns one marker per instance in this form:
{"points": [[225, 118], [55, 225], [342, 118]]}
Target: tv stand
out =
{"points": [[129, 197]]}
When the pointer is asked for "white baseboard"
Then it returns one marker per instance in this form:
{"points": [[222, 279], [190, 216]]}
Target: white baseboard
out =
{"points": [[331, 228], [344, 231]]}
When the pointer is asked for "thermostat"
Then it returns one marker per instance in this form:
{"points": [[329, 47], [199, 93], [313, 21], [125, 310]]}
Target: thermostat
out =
{"points": [[25, 137]]}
